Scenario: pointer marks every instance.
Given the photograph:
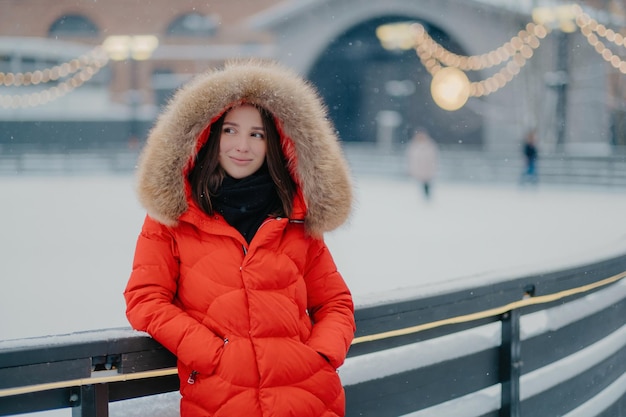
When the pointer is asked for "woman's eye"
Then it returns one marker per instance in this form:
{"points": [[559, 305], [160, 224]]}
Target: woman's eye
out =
{"points": [[229, 130], [258, 135]]}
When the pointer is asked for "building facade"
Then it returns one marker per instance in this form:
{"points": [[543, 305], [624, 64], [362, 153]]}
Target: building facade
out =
{"points": [[124, 58]]}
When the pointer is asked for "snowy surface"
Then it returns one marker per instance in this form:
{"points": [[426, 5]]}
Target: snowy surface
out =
{"points": [[399, 246], [67, 245]]}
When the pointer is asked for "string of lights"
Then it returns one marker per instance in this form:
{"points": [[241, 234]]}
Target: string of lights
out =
{"points": [[83, 68], [53, 74], [525, 39], [513, 54], [591, 29]]}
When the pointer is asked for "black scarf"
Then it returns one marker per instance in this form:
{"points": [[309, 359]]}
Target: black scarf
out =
{"points": [[245, 203]]}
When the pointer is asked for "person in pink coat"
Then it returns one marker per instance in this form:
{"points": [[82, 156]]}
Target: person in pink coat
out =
{"points": [[423, 159]]}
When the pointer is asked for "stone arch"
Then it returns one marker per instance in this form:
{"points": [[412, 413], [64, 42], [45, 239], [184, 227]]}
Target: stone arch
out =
{"points": [[361, 82]]}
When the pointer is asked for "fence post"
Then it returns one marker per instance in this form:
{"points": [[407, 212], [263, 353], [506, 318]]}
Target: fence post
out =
{"points": [[510, 364], [94, 401]]}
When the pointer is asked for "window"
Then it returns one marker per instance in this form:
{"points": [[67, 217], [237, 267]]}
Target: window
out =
{"points": [[5, 63], [73, 25], [193, 24]]}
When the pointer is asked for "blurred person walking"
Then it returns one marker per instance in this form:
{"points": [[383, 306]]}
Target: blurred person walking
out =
{"points": [[241, 177], [531, 154], [423, 158]]}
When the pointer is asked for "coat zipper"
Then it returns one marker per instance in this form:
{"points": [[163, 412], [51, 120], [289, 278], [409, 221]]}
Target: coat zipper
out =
{"points": [[192, 377], [269, 219]]}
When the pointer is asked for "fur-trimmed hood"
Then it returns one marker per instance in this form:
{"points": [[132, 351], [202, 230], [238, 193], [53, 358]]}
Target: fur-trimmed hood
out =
{"points": [[313, 150]]}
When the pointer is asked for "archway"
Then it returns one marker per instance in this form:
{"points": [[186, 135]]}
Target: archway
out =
{"points": [[366, 86]]}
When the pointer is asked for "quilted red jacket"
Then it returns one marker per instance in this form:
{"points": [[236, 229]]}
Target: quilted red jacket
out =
{"points": [[259, 329]]}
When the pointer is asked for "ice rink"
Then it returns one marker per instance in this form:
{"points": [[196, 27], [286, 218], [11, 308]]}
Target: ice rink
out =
{"points": [[67, 242]]}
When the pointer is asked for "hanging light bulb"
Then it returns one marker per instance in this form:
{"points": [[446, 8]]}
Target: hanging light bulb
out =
{"points": [[450, 88]]}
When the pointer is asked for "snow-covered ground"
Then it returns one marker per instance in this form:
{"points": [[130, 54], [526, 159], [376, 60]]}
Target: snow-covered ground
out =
{"points": [[67, 243]]}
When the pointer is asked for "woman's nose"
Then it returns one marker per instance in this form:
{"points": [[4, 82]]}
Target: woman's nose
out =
{"points": [[242, 143]]}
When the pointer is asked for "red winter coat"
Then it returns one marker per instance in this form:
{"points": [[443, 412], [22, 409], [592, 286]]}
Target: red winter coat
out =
{"points": [[258, 329]]}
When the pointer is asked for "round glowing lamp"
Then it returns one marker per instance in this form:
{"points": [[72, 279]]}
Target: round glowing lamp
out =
{"points": [[117, 47], [137, 47], [450, 88]]}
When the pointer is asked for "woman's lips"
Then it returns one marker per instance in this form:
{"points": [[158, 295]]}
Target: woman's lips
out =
{"points": [[239, 161]]}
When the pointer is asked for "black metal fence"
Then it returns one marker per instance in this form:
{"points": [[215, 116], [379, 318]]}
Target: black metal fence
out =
{"points": [[541, 345], [534, 346], [471, 166], [477, 166]]}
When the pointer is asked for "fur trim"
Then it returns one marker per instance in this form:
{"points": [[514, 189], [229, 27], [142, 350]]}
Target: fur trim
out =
{"points": [[308, 138]]}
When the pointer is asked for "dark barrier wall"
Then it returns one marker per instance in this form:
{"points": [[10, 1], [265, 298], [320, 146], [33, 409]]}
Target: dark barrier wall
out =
{"points": [[542, 345], [69, 135]]}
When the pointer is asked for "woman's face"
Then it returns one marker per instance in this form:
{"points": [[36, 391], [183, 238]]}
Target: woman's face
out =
{"points": [[242, 142]]}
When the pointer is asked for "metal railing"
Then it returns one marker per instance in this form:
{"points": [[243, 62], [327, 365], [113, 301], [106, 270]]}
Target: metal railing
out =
{"points": [[473, 166], [477, 166], [539, 345]]}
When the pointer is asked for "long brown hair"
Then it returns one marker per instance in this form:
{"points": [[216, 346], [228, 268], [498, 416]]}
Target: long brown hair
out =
{"points": [[206, 175]]}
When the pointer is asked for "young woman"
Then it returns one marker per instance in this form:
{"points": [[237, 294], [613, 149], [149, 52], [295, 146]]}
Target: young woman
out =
{"points": [[241, 176]]}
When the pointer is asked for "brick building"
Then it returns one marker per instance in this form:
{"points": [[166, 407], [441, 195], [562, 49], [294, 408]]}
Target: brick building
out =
{"points": [[123, 96], [192, 35]]}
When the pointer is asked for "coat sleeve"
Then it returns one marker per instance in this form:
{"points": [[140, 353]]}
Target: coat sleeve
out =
{"points": [[330, 306], [150, 305]]}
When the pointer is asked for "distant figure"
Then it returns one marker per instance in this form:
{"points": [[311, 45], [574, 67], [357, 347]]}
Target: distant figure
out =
{"points": [[423, 157], [530, 157]]}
